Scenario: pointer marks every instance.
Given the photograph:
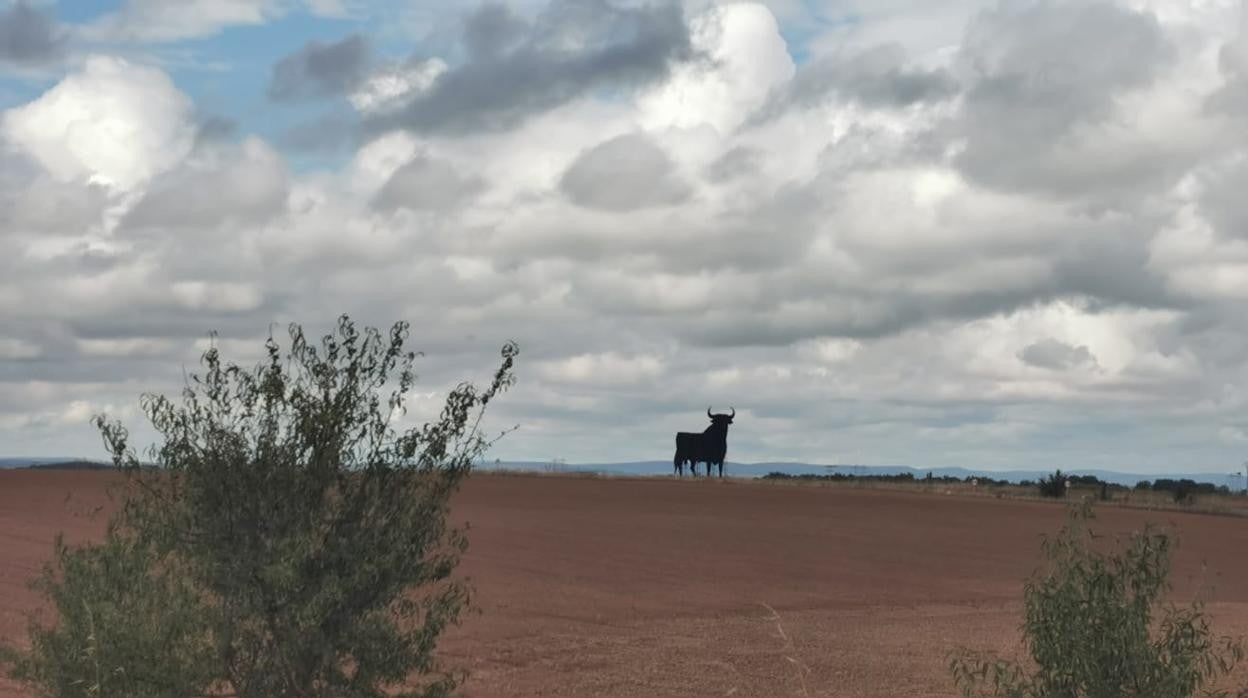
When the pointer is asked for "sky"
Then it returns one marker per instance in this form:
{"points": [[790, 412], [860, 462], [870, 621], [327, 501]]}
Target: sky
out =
{"points": [[1004, 234]]}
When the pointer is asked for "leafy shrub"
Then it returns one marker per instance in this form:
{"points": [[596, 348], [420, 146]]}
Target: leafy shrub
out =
{"points": [[1089, 623], [1053, 485], [290, 543]]}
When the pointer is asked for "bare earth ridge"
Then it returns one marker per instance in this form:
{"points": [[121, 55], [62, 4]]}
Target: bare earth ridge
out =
{"points": [[654, 587]]}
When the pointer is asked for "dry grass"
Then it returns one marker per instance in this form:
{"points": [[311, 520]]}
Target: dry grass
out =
{"points": [[1217, 504], [1214, 504]]}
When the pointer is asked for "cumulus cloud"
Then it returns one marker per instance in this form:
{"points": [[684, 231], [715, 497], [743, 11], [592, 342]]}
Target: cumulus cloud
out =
{"points": [[1033, 113], [391, 86], [34, 202], [321, 70], [1232, 96], [518, 67], [114, 122], [939, 234], [624, 173], [742, 58], [27, 36], [1055, 354], [877, 77], [240, 185], [608, 368], [427, 183]]}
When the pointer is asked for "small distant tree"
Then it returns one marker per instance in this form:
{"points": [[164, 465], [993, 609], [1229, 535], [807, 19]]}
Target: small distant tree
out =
{"points": [[1053, 485], [289, 542], [1095, 626]]}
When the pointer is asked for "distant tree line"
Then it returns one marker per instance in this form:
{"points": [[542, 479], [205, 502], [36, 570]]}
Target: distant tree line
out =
{"points": [[1054, 485], [1181, 489], [899, 477], [71, 465]]}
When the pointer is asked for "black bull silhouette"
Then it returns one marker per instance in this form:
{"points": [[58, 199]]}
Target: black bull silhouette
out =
{"points": [[709, 447]]}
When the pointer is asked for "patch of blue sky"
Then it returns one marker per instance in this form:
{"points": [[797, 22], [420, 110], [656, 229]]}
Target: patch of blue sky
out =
{"points": [[82, 11], [18, 91], [230, 77], [819, 22]]}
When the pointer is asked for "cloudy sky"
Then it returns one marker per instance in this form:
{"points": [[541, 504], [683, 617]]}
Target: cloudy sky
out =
{"points": [[1001, 234]]}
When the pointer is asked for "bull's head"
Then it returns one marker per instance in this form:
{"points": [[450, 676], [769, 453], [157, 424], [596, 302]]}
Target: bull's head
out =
{"points": [[721, 418]]}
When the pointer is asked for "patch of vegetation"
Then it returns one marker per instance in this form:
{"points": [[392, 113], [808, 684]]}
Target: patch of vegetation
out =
{"points": [[292, 543], [1053, 485], [1183, 490], [1095, 626], [899, 477], [71, 465]]}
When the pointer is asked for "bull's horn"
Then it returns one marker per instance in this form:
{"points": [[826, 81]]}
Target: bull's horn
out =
{"points": [[734, 412], [708, 413]]}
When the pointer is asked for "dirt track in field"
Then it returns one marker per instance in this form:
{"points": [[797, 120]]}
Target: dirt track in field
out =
{"points": [[654, 587]]}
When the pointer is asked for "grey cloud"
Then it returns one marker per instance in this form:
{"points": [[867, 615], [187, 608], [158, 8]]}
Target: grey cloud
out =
{"points": [[571, 48], [1232, 97], [1111, 268], [492, 30], [242, 185], [625, 173], [864, 147], [1038, 72], [54, 207], [427, 183], [32, 202], [877, 77], [1222, 200], [792, 312], [321, 70], [27, 36], [737, 162], [1057, 355]]}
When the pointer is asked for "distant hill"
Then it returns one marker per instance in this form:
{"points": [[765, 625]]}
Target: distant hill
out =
{"points": [[28, 462], [746, 470], [71, 465], [754, 470]]}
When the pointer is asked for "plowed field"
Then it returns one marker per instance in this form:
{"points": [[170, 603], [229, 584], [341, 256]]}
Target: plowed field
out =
{"points": [[656, 587]]}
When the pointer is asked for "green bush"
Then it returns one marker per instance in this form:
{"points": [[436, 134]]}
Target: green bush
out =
{"points": [[1095, 626], [1053, 485], [289, 542]]}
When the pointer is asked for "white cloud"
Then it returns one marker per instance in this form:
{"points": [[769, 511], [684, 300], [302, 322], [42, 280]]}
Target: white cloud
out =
{"points": [[164, 21], [746, 58], [217, 296], [608, 368], [126, 347], [810, 244], [392, 85], [115, 123]]}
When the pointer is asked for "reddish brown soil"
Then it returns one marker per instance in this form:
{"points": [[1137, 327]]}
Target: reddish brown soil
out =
{"points": [[617, 587]]}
